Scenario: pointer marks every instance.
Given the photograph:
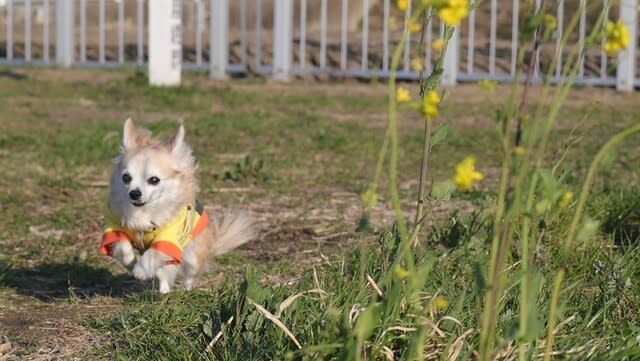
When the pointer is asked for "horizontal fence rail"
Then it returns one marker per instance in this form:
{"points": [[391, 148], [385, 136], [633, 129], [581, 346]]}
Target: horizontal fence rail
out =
{"points": [[332, 38]]}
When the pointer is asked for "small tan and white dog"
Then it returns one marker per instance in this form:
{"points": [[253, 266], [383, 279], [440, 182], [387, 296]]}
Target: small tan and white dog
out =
{"points": [[153, 209]]}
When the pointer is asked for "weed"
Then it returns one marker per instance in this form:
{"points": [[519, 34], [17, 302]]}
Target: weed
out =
{"points": [[248, 169]]}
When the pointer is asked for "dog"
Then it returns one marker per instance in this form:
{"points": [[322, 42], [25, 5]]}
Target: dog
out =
{"points": [[152, 208]]}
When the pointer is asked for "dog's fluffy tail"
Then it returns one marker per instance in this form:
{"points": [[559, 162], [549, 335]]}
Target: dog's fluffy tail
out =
{"points": [[230, 231]]}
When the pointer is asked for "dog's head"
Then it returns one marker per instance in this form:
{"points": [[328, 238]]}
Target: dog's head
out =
{"points": [[151, 179]]}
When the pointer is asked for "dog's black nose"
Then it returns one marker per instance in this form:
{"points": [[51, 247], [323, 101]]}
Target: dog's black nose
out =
{"points": [[135, 194]]}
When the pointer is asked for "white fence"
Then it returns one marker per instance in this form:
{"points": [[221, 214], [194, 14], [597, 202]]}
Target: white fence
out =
{"points": [[336, 38]]}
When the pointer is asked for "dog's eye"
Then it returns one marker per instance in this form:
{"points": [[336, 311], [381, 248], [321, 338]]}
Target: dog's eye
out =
{"points": [[153, 180], [126, 178]]}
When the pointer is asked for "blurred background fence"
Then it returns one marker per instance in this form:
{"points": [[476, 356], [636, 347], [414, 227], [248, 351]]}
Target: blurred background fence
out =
{"points": [[335, 38]]}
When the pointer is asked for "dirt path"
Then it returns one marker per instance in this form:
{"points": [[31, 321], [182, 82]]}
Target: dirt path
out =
{"points": [[52, 332]]}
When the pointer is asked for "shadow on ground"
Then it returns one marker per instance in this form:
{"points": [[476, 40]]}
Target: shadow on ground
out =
{"points": [[622, 220], [12, 75], [51, 281]]}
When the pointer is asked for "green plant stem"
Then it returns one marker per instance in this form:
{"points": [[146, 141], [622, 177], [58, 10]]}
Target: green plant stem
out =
{"points": [[570, 68], [487, 326], [524, 174], [387, 134], [423, 176], [432, 81], [381, 156], [527, 82], [586, 186], [405, 249], [597, 31], [553, 313], [488, 317], [393, 137], [393, 133], [504, 229], [577, 217]]}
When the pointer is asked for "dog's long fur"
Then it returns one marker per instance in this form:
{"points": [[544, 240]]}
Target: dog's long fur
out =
{"points": [[172, 162]]}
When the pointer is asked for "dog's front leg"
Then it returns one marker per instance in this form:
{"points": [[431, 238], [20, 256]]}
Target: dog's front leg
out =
{"points": [[123, 252], [149, 264], [166, 277]]}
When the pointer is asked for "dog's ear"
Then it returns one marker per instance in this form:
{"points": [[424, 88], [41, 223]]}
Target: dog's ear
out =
{"points": [[129, 135], [176, 144], [186, 164]]}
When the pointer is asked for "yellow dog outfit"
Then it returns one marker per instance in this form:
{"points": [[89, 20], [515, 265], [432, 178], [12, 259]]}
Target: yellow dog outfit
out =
{"points": [[170, 238]]}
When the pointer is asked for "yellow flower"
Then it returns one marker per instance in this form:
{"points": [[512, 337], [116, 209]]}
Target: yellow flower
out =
{"points": [[416, 64], [430, 104], [441, 303], [400, 272], [454, 11], [519, 150], [402, 95], [550, 21], [429, 110], [437, 44], [393, 23], [369, 198], [566, 198], [414, 26], [488, 85], [466, 173], [433, 96], [616, 37], [402, 4]]}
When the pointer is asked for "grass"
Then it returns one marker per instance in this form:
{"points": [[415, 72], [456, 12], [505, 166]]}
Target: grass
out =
{"points": [[311, 151]]}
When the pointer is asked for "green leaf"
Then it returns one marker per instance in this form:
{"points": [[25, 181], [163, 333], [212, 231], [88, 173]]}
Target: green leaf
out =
{"points": [[589, 228], [364, 224], [550, 185], [532, 23], [441, 191], [543, 206], [439, 134], [421, 276], [535, 327], [365, 325], [207, 328], [608, 159], [367, 321], [444, 96], [481, 282]]}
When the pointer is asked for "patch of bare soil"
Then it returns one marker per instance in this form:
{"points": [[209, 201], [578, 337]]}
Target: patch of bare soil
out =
{"points": [[70, 75], [301, 231], [51, 332]]}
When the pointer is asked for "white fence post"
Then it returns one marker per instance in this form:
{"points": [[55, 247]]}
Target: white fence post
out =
{"points": [[219, 39], [282, 33], [451, 60], [64, 32], [626, 69], [165, 42]]}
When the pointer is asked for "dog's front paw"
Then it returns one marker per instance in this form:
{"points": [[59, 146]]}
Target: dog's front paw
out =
{"points": [[123, 252], [140, 273], [164, 288]]}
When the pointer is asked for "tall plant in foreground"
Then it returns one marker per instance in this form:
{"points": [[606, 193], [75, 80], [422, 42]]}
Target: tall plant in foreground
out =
{"points": [[530, 190]]}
